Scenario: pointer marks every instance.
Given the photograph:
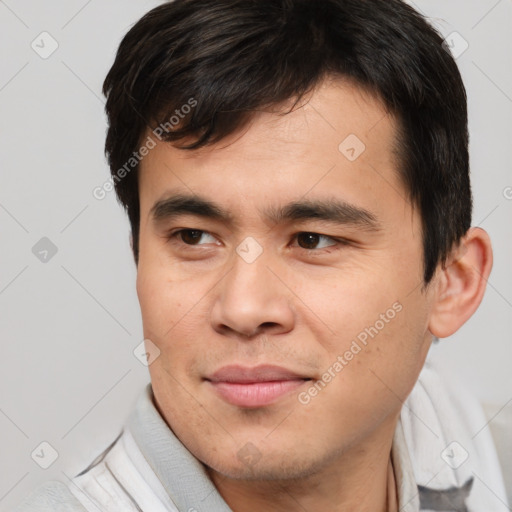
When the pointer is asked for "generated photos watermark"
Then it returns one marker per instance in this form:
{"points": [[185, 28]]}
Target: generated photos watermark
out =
{"points": [[357, 345], [100, 192]]}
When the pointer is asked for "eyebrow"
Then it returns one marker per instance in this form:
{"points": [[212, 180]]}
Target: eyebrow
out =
{"points": [[330, 210]]}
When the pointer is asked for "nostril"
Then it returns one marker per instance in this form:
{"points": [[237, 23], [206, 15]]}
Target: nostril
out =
{"points": [[268, 324]]}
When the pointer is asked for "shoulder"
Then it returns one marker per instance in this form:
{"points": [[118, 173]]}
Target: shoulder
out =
{"points": [[449, 440], [52, 495], [57, 496], [499, 418]]}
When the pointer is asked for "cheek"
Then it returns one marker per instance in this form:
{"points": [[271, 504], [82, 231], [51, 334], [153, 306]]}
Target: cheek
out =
{"points": [[174, 314], [163, 300], [164, 294], [346, 304], [393, 349], [377, 340], [370, 380]]}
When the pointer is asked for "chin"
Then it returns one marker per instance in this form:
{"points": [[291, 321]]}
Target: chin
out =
{"points": [[266, 466]]}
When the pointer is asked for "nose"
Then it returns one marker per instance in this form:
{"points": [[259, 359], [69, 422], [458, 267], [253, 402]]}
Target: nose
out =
{"points": [[252, 299]]}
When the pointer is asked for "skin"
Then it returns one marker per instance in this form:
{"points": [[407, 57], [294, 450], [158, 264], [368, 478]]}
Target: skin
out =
{"points": [[204, 306]]}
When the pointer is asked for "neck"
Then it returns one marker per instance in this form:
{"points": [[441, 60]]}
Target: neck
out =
{"points": [[362, 479]]}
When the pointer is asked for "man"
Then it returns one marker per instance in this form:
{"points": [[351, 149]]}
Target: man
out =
{"points": [[296, 177]]}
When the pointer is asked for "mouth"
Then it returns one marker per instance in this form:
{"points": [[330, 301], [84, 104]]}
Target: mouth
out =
{"points": [[255, 387]]}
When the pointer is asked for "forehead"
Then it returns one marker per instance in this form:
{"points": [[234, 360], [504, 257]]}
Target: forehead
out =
{"points": [[339, 139]]}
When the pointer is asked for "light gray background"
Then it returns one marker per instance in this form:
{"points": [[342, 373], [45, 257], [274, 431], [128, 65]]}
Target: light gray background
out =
{"points": [[69, 326]]}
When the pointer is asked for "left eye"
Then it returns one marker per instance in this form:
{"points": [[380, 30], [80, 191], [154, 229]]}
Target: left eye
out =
{"points": [[309, 239]]}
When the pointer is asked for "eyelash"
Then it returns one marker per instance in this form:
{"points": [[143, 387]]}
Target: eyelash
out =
{"points": [[339, 241]]}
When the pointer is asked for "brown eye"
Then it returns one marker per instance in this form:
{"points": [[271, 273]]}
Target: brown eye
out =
{"points": [[191, 236], [309, 241]]}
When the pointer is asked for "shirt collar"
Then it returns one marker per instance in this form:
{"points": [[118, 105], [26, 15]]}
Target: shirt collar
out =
{"points": [[407, 489], [183, 476]]}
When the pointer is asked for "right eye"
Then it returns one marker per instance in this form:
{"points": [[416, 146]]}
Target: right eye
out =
{"points": [[188, 236]]}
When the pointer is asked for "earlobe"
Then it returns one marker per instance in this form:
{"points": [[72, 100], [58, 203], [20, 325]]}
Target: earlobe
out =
{"points": [[461, 283]]}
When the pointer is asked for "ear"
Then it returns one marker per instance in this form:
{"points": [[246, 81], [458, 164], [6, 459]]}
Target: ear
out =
{"points": [[461, 283]]}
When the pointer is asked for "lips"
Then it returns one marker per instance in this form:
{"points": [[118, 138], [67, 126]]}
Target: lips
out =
{"points": [[255, 387]]}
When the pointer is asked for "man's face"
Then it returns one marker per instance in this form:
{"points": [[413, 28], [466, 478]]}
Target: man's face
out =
{"points": [[343, 314]]}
